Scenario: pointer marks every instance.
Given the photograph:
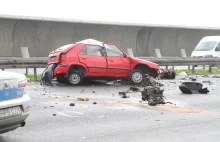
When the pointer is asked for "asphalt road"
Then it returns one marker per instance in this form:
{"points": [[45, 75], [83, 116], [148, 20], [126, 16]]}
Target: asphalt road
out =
{"points": [[114, 119]]}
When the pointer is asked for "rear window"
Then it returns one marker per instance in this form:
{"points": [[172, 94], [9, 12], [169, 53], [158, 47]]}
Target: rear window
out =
{"points": [[64, 47]]}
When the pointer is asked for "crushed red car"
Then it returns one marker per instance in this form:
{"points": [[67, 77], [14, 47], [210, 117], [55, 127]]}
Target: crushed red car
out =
{"points": [[92, 59]]}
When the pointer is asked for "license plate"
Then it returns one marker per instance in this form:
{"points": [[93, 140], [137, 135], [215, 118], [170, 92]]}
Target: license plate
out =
{"points": [[10, 112]]}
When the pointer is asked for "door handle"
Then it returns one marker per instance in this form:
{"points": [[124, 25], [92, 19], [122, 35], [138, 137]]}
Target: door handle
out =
{"points": [[83, 58], [111, 61]]}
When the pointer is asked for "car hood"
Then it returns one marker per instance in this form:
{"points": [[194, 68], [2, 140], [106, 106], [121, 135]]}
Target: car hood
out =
{"points": [[149, 63], [4, 75]]}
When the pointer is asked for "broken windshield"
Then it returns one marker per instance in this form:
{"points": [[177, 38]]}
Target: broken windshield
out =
{"points": [[206, 46]]}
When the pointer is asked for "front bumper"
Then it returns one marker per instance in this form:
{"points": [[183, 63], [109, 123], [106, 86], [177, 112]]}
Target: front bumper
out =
{"points": [[12, 123]]}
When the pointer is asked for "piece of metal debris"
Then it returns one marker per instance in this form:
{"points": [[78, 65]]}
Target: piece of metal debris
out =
{"points": [[72, 104], [154, 95], [192, 88], [94, 103], [215, 76]]}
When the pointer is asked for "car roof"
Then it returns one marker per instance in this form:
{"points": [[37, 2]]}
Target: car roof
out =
{"points": [[91, 41], [211, 38]]}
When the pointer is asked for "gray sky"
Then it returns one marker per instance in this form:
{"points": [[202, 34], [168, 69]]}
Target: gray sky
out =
{"points": [[201, 13]]}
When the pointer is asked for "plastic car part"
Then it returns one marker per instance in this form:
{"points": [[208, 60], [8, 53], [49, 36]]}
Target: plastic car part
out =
{"points": [[48, 75], [192, 88]]}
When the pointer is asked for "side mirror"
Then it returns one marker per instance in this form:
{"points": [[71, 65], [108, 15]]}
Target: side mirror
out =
{"points": [[125, 55], [217, 49]]}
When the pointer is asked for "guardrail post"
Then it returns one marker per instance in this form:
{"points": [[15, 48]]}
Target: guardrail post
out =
{"points": [[204, 67], [26, 71], [173, 67], [210, 68], [193, 69], [35, 74], [188, 67]]}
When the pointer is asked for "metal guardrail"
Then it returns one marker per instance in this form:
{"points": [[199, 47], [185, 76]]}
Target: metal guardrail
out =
{"points": [[41, 62]]}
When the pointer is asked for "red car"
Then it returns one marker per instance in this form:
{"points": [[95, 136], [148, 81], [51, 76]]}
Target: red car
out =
{"points": [[91, 59]]}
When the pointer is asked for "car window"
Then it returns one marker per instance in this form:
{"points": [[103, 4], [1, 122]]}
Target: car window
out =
{"points": [[83, 51], [93, 50], [112, 50]]}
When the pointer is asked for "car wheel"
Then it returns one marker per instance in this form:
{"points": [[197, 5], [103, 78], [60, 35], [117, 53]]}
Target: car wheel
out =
{"points": [[75, 78], [136, 77]]}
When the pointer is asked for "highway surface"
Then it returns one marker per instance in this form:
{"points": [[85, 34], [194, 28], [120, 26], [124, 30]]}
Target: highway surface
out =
{"points": [[107, 117]]}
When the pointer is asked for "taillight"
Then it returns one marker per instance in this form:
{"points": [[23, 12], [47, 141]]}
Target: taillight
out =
{"points": [[22, 84], [63, 56]]}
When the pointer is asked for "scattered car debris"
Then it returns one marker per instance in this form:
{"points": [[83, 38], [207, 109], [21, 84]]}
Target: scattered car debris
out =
{"points": [[123, 94], [193, 79], [215, 76], [208, 81], [182, 76], [72, 104], [82, 99], [93, 91], [95, 103], [192, 88], [54, 115], [154, 95], [205, 76], [167, 73]]}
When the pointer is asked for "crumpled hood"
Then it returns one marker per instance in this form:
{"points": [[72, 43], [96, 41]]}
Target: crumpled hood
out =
{"points": [[149, 63]]}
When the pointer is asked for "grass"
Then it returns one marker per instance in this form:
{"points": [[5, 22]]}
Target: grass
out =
{"points": [[199, 71], [31, 77]]}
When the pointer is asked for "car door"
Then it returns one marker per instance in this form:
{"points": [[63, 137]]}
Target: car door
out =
{"points": [[117, 63], [92, 57]]}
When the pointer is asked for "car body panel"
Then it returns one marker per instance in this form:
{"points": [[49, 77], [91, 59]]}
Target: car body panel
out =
{"points": [[12, 96]]}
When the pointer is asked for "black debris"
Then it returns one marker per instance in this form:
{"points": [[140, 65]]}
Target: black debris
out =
{"points": [[192, 88], [68, 96], [193, 79], [54, 114], [94, 103], [51, 106], [154, 95], [204, 91], [72, 104], [215, 76], [208, 81], [93, 91], [205, 76], [123, 94]]}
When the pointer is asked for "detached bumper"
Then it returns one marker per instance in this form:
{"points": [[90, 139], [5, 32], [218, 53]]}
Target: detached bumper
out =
{"points": [[12, 123]]}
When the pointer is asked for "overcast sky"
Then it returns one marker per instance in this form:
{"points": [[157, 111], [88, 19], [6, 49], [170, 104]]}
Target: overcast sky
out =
{"points": [[201, 13]]}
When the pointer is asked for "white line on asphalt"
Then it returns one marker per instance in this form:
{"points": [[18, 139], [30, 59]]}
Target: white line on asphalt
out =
{"points": [[63, 114]]}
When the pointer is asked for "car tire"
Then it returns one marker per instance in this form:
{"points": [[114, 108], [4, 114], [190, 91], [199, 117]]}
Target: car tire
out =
{"points": [[136, 77], [75, 78]]}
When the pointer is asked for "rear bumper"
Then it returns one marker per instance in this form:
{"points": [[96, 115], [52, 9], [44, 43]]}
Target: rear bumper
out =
{"points": [[12, 123]]}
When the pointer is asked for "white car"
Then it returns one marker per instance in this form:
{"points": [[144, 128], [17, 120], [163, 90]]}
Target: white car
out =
{"points": [[14, 103], [208, 47]]}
